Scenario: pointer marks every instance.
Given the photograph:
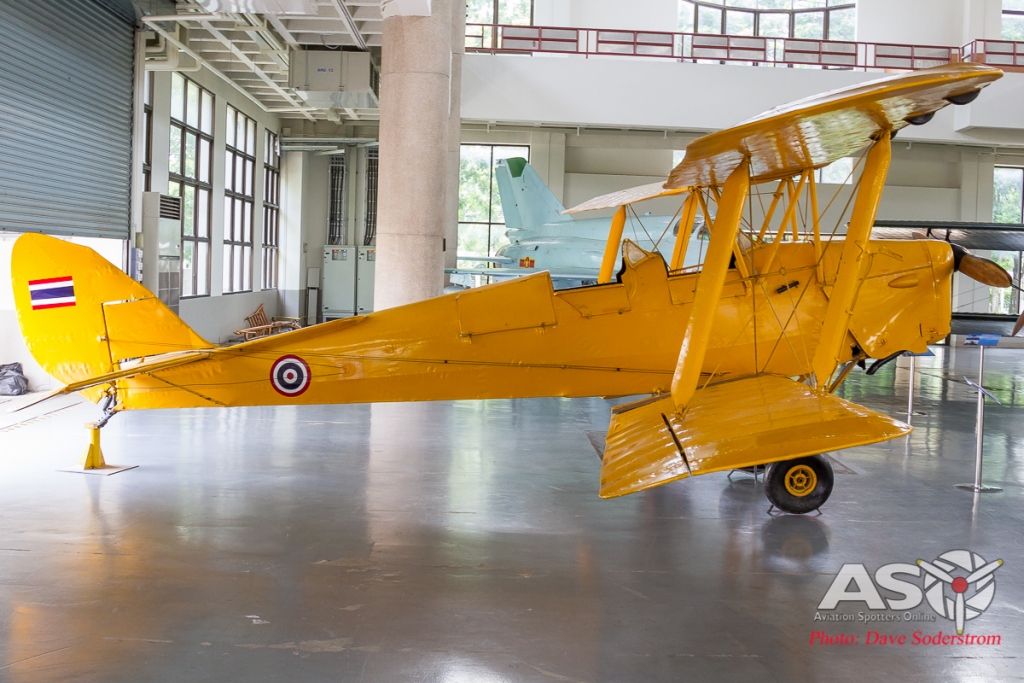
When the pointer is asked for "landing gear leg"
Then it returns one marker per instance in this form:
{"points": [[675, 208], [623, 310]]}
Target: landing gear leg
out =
{"points": [[801, 485], [93, 462]]}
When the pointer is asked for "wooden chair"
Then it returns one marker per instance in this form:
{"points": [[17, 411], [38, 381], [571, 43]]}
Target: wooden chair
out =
{"points": [[259, 326]]}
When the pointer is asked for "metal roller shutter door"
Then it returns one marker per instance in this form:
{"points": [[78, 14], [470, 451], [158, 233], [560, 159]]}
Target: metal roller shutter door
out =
{"points": [[66, 82]]}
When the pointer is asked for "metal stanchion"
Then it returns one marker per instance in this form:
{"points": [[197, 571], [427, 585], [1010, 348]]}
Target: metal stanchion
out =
{"points": [[977, 486], [910, 390]]}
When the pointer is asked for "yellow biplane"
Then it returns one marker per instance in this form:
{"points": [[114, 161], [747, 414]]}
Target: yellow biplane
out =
{"points": [[740, 357]]}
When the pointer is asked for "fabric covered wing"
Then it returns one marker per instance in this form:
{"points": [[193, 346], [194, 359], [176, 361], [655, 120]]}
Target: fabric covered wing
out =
{"points": [[628, 196], [734, 424], [816, 131]]}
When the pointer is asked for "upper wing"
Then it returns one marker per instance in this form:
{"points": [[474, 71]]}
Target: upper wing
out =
{"points": [[816, 131], [623, 197], [812, 132], [733, 424]]}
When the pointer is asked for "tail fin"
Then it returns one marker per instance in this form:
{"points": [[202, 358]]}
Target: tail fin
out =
{"points": [[526, 201], [80, 316]]}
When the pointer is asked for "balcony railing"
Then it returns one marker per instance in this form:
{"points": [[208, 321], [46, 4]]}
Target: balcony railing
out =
{"points": [[712, 48]]}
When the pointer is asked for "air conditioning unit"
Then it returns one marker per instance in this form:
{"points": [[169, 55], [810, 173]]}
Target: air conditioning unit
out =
{"points": [[335, 79], [161, 246]]}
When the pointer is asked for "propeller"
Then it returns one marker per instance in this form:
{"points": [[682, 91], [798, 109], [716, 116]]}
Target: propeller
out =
{"points": [[983, 270]]}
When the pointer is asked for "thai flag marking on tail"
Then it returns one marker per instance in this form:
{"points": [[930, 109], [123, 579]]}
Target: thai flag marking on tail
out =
{"points": [[53, 292]]}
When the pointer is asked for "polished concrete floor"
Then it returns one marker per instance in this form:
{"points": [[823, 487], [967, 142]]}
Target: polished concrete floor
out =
{"points": [[465, 542]]}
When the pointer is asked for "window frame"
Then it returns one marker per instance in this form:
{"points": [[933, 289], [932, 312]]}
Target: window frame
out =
{"points": [[370, 197], [270, 270], [203, 131], [724, 7], [1019, 13], [492, 190], [239, 169], [1014, 303], [147, 130]]}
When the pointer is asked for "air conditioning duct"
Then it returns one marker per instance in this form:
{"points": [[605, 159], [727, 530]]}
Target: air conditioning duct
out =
{"points": [[161, 246], [335, 79], [162, 54]]}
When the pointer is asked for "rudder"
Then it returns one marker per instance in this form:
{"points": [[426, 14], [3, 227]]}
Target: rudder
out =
{"points": [[80, 315], [526, 201]]}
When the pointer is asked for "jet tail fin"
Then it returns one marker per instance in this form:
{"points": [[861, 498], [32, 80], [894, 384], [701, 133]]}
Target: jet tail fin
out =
{"points": [[526, 201], [81, 316]]}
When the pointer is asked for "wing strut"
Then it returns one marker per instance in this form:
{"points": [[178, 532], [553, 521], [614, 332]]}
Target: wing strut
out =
{"points": [[853, 263], [611, 248], [689, 214], [709, 286]]}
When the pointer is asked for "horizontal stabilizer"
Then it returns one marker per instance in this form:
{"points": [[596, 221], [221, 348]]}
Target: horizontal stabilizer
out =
{"points": [[167, 361], [730, 425]]}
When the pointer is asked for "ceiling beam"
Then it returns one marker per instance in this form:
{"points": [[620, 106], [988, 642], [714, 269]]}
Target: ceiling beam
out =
{"points": [[350, 23]]}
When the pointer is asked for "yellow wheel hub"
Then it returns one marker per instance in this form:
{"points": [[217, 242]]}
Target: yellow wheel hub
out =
{"points": [[801, 480]]}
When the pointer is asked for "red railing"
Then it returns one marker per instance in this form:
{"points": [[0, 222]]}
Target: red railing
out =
{"points": [[1005, 54], [711, 48]]}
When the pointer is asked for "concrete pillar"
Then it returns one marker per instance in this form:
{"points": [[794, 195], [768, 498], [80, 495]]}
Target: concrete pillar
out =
{"points": [[451, 224], [415, 93]]}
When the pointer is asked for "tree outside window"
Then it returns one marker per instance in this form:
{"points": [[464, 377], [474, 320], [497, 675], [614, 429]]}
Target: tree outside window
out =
{"points": [[1007, 207], [1013, 20]]}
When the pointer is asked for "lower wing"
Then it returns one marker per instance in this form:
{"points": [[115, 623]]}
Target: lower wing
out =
{"points": [[730, 425]]}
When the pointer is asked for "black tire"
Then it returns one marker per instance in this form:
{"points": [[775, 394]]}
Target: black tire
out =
{"points": [[801, 485]]}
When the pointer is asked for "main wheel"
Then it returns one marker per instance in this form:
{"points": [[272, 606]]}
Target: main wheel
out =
{"points": [[799, 486]]}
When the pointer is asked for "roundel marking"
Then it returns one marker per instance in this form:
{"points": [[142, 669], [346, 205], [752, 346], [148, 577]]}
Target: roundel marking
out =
{"points": [[289, 375]]}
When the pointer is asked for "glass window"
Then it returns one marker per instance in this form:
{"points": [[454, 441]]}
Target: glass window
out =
{"points": [[739, 23], [810, 19], [239, 197], [370, 202], [809, 25], [709, 19], [842, 24], [147, 131], [269, 275], [481, 221], [190, 168], [518, 12], [1013, 20], [1006, 204], [687, 12], [1007, 207]]}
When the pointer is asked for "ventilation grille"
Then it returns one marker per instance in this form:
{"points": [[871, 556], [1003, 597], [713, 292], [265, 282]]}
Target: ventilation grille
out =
{"points": [[170, 207]]}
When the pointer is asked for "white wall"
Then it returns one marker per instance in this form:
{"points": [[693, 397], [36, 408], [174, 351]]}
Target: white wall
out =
{"points": [[914, 22], [304, 227]]}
